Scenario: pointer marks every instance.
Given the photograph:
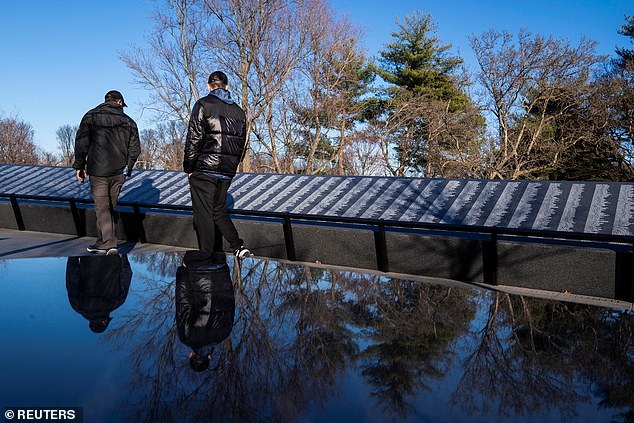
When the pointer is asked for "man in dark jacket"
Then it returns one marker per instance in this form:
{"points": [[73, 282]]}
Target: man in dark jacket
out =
{"points": [[215, 146], [205, 304], [96, 286], [107, 141]]}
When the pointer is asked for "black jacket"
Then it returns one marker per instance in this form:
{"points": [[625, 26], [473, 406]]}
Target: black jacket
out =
{"points": [[108, 140], [216, 137], [205, 305], [97, 285]]}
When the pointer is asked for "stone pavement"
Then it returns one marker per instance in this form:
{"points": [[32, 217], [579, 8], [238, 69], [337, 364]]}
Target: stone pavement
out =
{"points": [[27, 244]]}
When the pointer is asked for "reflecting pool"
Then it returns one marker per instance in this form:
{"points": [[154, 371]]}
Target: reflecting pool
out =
{"points": [[293, 343]]}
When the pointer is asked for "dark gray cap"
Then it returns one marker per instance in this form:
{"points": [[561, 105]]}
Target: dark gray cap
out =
{"points": [[115, 95], [218, 77]]}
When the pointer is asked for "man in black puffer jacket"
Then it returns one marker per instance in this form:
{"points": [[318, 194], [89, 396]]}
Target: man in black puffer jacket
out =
{"points": [[215, 146], [107, 141]]}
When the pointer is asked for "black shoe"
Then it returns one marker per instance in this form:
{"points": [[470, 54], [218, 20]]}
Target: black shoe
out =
{"points": [[112, 251], [242, 252]]}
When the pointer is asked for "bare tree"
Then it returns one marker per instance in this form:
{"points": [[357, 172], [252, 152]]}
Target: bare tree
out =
{"points": [[172, 68], [260, 44], [66, 143], [612, 156], [414, 124], [150, 147], [239, 36], [454, 140], [363, 155], [46, 158], [531, 85], [386, 129], [337, 77], [163, 146], [239, 31], [16, 142], [172, 135]]}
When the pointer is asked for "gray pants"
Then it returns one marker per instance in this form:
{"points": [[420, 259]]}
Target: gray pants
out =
{"points": [[105, 192]]}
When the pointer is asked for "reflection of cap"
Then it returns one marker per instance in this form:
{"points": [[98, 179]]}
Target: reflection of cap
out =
{"points": [[205, 350], [99, 325], [115, 95]]}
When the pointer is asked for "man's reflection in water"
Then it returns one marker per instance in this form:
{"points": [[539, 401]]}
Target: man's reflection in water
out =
{"points": [[205, 304], [98, 285]]}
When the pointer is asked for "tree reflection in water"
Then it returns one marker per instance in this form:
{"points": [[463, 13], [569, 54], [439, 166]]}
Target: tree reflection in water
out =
{"points": [[412, 329], [533, 355], [299, 330]]}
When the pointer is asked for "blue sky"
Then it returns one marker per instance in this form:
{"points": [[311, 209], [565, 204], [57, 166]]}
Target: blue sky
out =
{"points": [[58, 58]]}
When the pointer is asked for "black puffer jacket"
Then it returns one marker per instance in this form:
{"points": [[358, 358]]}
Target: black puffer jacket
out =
{"points": [[97, 285], [205, 305], [108, 140], [216, 137]]}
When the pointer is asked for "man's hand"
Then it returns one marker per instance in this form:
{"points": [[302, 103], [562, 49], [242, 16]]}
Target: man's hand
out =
{"points": [[81, 175]]}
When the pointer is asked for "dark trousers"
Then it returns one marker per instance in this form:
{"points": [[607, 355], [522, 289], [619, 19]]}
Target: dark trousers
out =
{"points": [[105, 192], [209, 201]]}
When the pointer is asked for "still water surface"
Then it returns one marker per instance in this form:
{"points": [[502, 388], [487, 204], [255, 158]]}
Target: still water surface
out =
{"points": [[305, 345]]}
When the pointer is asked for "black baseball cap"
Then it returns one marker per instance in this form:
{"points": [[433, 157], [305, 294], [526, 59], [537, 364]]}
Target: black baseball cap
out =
{"points": [[115, 95], [218, 77]]}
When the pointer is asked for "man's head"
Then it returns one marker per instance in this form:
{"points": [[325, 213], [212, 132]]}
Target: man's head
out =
{"points": [[199, 362], [217, 79], [115, 97]]}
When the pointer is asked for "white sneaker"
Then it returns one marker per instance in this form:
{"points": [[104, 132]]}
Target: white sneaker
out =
{"points": [[242, 252], [107, 251]]}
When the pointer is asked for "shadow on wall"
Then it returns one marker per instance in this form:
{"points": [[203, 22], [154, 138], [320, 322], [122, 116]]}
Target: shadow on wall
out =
{"points": [[452, 258], [145, 193]]}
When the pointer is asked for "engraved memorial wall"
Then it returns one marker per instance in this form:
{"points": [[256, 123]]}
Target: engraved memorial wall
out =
{"points": [[412, 209]]}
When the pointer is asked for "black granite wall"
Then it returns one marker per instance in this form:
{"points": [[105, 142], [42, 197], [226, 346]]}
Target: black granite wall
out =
{"points": [[603, 270]]}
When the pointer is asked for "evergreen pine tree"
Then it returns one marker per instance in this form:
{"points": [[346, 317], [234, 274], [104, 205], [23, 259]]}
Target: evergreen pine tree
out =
{"points": [[626, 55], [417, 62], [422, 95]]}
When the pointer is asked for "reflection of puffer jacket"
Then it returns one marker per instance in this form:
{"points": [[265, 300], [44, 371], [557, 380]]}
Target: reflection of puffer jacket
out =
{"points": [[205, 304], [97, 285]]}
